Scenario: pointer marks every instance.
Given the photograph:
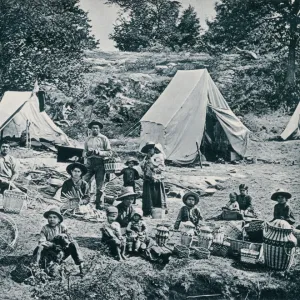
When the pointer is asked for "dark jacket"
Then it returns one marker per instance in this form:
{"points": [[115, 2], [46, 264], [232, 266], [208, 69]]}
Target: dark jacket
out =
{"points": [[129, 176], [245, 202], [81, 189], [188, 214], [284, 212], [124, 214]]}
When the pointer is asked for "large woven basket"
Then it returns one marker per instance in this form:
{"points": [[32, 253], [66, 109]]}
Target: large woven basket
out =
{"points": [[181, 251], [14, 201], [201, 253]]}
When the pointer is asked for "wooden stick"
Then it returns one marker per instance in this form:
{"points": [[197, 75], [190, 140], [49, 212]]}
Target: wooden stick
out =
{"points": [[198, 149], [203, 296]]}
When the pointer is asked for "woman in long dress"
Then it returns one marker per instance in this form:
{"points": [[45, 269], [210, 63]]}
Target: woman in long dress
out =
{"points": [[154, 195]]}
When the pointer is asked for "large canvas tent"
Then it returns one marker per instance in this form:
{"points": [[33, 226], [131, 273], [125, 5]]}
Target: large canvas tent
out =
{"points": [[293, 127], [16, 108], [190, 110]]}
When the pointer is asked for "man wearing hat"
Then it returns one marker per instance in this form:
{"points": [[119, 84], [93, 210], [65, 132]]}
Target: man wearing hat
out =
{"points": [[125, 208], [282, 210], [96, 149]]}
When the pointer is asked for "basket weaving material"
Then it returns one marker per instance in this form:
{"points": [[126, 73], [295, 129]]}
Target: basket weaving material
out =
{"points": [[249, 256], [14, 201], [8, 235], [201, 253], [182, 251]]}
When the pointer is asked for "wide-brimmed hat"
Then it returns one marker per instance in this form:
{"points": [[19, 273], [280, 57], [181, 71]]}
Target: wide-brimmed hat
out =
{"points": [[132, 159], [111, 210], [148, 146], [138, 211], [80, 166], [282, 192], [54, 210], [186, 195], [126, 191], [94, 122]]}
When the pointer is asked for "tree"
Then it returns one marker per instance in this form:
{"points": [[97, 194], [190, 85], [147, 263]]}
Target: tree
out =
{"points": [[189, 27], [267, 25], [44, 40]]}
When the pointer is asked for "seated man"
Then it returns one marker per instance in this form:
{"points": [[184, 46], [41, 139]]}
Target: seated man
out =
{"points": [[245, 201]]}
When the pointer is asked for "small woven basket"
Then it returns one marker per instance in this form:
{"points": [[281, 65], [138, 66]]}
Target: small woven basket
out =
{"points": [[113, 164], [237, 245], [230, 215], [249, 256], [14, 201], [182, 251], [220, 249], [232, 231], [255, 226], [201, 253]]}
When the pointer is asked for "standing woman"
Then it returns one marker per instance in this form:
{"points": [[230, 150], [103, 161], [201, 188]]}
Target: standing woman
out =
{"points": [[154, 194]]}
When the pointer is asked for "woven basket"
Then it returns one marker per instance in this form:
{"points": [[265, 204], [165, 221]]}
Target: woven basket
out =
{"points": [[109, 199], [201, 253], [182, 251], [113, 165], [249, 256], [14, 201], [230, 215], [232, 231], [220, 249], [237, 245], [255, 226]]}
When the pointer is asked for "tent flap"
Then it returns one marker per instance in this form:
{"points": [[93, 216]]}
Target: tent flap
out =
{"points": [[293, 125]]}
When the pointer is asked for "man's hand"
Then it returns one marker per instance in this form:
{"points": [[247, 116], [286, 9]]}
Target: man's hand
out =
{"points": [[47, 244], [90, 152]]}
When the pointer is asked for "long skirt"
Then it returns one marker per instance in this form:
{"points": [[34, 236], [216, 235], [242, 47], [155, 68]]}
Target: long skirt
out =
{"points": [[154, 195]]}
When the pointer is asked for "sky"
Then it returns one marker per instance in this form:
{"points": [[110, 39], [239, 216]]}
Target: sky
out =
{"points": [[103, 16]]}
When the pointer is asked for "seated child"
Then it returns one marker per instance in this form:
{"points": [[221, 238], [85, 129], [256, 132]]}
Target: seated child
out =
{"points": [[111, 234], [136, 231], [232, 204], [53, 232], [282, 210], [189, 212], [130, 174]]}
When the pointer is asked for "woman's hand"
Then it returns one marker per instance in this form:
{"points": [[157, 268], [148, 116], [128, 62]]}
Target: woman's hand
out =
{"points": [[47, 244]]}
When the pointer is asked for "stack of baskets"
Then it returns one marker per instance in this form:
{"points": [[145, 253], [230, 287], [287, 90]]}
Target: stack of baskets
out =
{"points": [[14, 201]]}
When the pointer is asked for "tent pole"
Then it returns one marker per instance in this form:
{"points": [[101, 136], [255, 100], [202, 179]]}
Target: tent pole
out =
{"points": [[27, 144], [1, 135], [198, 149]]}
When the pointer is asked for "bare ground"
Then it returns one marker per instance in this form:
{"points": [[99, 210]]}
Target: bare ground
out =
{"points": [[180, 279]]}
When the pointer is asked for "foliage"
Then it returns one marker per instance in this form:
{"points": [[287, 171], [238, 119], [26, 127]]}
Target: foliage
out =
{"points": [[44, 40]]}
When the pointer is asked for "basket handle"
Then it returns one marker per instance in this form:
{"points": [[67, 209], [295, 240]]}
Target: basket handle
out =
{"points": [[284, 247]]}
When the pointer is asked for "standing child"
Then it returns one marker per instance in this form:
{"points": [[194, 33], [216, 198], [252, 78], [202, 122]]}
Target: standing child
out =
{"points": [[282, 210], [130, 174], [111, 234], [189, 212], [136, 231], [50, 232]]}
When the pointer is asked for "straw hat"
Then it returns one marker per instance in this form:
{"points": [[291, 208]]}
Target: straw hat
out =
{"points": [[94, 122], [148, 146], [282, 192], [72, 166], [54, 210], [126, 191], [111, 210], [138, 211], [186, 195], [132, 159]]}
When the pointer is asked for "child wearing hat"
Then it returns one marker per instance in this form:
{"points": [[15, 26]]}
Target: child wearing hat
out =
{"points": [[130, 174], [282, 210], [189, 212], [75, 187], [136, 231], [111, 234], [50, 231]]}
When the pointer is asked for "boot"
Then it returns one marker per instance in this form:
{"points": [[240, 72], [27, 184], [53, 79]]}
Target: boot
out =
{"points": [[99, 202]]}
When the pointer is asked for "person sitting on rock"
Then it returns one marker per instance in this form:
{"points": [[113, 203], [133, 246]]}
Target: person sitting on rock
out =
{"points": [[130, 174], [111, 234], [125, 208], [245, 201], [50, 232], [189, 212], [282, 210], [136, 231]]}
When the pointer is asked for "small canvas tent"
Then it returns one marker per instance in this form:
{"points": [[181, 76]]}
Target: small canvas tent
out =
{"points": [[16, 108], [192, 108], [293, 127]]}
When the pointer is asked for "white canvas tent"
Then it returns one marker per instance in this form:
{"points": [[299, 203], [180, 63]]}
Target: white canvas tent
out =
{"points": [[178, 118], [293, 127], [16, 108]]}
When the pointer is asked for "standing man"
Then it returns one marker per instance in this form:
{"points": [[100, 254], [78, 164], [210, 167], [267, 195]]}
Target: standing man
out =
{"points": [[96, 149], [8, 168]]}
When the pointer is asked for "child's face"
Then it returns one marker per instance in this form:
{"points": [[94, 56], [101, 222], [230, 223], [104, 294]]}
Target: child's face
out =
{"points": [[190, 201], [128, 201], [76, 173], [111, 217], [53, 220], [130, 164], [232, 198], [243, 192], [136, 218], [281, 199]]}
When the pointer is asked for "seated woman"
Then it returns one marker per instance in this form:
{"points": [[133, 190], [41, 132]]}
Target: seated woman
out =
{"points": [[282, 210], [75, 188]]}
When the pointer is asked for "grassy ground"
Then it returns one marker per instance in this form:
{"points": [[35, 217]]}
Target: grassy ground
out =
{"points": [[138, 279]]}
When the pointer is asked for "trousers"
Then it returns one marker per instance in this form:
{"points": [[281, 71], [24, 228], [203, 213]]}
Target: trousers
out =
{"points": [[95, 167]]}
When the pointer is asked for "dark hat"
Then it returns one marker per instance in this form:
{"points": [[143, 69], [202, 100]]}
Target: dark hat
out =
{"points": [[132, 159], [243, 187], [94, 122], [282, 192], [80, 166], [148, 146], [126, 191], [186, 195], [111, 209], [54, 210]]}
